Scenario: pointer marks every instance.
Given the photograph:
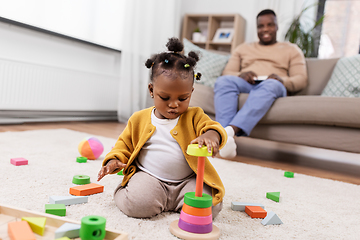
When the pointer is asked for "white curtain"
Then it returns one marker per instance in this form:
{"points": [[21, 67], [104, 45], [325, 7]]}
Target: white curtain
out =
{"points": [[148, 25]]}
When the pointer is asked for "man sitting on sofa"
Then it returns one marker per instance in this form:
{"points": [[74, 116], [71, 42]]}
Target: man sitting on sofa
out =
{"points": [[280, 64]]}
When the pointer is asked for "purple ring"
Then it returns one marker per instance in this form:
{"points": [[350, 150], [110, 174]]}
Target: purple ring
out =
{"points": [[188, 227]]}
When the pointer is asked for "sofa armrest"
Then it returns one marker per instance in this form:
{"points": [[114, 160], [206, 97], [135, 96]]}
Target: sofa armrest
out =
{"points": [[319, 72]]}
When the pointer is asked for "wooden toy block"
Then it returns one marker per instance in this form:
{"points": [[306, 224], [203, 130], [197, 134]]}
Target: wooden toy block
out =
{"points": [[68, 200], [37, 224], [81, 179], [240, 206], [289, 174], [271, 219], [20, 231], [70, 230], [275, 196], [87, 189], [255, 211], [201, 212], [18, 161], [81, 159], [55, 209]]}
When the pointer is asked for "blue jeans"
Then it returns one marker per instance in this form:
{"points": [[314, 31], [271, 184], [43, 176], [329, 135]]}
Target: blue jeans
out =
{"points": [[261, 97]]}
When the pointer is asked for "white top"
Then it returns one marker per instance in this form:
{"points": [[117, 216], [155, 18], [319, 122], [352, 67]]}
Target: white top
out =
{"points": [[161, 155]]}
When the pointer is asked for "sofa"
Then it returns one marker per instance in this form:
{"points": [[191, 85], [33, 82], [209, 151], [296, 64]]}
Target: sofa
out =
{"points": [[304, 119]]}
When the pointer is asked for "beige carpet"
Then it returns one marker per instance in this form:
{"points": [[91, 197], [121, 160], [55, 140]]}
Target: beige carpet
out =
{"points": [[310, 207]]}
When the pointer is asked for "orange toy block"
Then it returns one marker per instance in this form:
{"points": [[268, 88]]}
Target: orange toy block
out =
{"points": [[255, 211], [87, 189], [20, 231]]}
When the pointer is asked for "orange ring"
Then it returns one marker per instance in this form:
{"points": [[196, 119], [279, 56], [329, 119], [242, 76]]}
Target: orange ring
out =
{"points": [[200, 212]]}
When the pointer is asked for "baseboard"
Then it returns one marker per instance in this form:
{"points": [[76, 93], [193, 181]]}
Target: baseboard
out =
{"points": [[18, 117], [332, 160]]}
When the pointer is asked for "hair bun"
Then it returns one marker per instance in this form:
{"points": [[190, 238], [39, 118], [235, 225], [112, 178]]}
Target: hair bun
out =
{"points": [[175, 45]]}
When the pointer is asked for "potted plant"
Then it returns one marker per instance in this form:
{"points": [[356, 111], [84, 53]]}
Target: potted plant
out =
{"points": [[196, 36], [304, 39]]}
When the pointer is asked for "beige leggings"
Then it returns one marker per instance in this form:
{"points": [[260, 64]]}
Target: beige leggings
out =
{"points": [[145, 196]]}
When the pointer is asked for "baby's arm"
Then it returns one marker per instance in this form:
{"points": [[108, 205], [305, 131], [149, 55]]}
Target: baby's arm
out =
{"points": [[211, 139], [110, 167]]}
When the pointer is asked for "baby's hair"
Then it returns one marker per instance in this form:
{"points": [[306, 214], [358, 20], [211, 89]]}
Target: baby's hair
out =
{"points": [[173, 59]]}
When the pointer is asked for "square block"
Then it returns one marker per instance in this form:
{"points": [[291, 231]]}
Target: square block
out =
{"points": [[20, 230], [55, 209], [18, 161], [87, 189], [255, 211]]}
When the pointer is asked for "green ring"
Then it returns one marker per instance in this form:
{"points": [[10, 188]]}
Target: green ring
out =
{"points": [[92, 228], [81, 159], [199, 202], [81, 179], [194, 150]]}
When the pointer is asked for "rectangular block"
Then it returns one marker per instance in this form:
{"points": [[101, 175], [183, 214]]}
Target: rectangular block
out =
{"points": [[255, 211], [55, 209], [18, 161], [20, 231], [240, 206], [68, 200], [87, 189]]}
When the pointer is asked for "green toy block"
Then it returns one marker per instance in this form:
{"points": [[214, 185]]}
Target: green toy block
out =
{"points": [[81, 179], [55, 209], [275, 196], [81, 159], [121, 172], [289, 174]]}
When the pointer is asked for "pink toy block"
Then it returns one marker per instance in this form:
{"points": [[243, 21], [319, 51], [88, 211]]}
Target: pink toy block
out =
{"points": [[19, 161]]}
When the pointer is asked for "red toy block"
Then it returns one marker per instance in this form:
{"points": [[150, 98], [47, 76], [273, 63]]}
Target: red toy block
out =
{"points": [[20, 231], [255, 211], [87, 189], [19, 161]]}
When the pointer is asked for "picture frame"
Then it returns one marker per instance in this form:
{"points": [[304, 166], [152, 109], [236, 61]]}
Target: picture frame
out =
{"points": [[223, 35]]}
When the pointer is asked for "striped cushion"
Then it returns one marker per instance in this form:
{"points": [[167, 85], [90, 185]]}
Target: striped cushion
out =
{"points": [[345, 79]]}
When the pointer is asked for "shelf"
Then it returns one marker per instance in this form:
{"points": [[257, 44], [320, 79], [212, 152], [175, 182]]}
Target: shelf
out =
{"points": [[209, 24]]}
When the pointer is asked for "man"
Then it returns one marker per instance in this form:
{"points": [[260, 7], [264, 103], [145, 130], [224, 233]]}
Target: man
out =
{"points": [[280, 64]]}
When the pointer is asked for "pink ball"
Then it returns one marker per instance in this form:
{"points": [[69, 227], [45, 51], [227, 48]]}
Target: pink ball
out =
{"points": [[91, 148]]}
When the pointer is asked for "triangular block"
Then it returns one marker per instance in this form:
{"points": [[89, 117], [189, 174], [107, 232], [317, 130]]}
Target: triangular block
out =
{"points": [[37, 224], [275, 196], [240, 206], [68, 200], [271, 219], [70, 230]]}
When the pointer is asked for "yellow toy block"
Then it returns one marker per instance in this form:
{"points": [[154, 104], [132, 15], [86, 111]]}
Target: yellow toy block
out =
{"points": [[37, 224]]}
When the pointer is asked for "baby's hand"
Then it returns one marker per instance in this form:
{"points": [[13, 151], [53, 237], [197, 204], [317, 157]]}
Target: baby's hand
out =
{"points": [[110, 166], [210, 139]]}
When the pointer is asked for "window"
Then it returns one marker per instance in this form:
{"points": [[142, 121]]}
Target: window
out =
{"points": [[96, 21], [340, 30]]}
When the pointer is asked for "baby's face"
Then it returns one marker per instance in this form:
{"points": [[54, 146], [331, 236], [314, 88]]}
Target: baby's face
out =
{"points": [[171, 95]]}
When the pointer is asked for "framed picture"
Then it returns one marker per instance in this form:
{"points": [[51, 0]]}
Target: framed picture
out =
{"points": [[223, 35]]}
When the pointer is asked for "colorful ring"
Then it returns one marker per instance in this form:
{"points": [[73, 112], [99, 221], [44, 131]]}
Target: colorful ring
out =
{"points": [[195, 219], [201, 212], [188, 227], [199, 202]]}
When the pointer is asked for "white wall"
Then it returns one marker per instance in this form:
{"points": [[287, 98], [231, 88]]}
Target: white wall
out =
{"points": [[285, 10]]}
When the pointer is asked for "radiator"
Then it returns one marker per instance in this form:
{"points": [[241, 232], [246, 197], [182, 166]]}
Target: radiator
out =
{"points": [[27, 87]]}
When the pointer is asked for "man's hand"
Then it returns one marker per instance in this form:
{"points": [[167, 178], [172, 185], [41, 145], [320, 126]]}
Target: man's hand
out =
{"points": [[110, 166], [210, 139], [249, 77], [276, 77]]}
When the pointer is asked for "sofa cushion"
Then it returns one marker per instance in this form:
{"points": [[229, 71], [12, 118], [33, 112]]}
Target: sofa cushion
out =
{"points": [[210, 65], [319, 72], [316, 110], [345, 79]]}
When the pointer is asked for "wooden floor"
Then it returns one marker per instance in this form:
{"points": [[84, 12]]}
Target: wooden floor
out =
{"points": [[113, 129]]}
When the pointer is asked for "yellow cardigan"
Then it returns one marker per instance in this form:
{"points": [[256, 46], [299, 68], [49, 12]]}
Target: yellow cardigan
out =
{"points": [[191, 124]]}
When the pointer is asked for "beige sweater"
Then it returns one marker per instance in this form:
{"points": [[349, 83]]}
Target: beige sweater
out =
{"points": [[282, 58]]}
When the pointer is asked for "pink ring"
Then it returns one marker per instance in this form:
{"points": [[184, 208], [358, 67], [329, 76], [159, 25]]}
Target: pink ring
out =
{"points": [[195, 219]]}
